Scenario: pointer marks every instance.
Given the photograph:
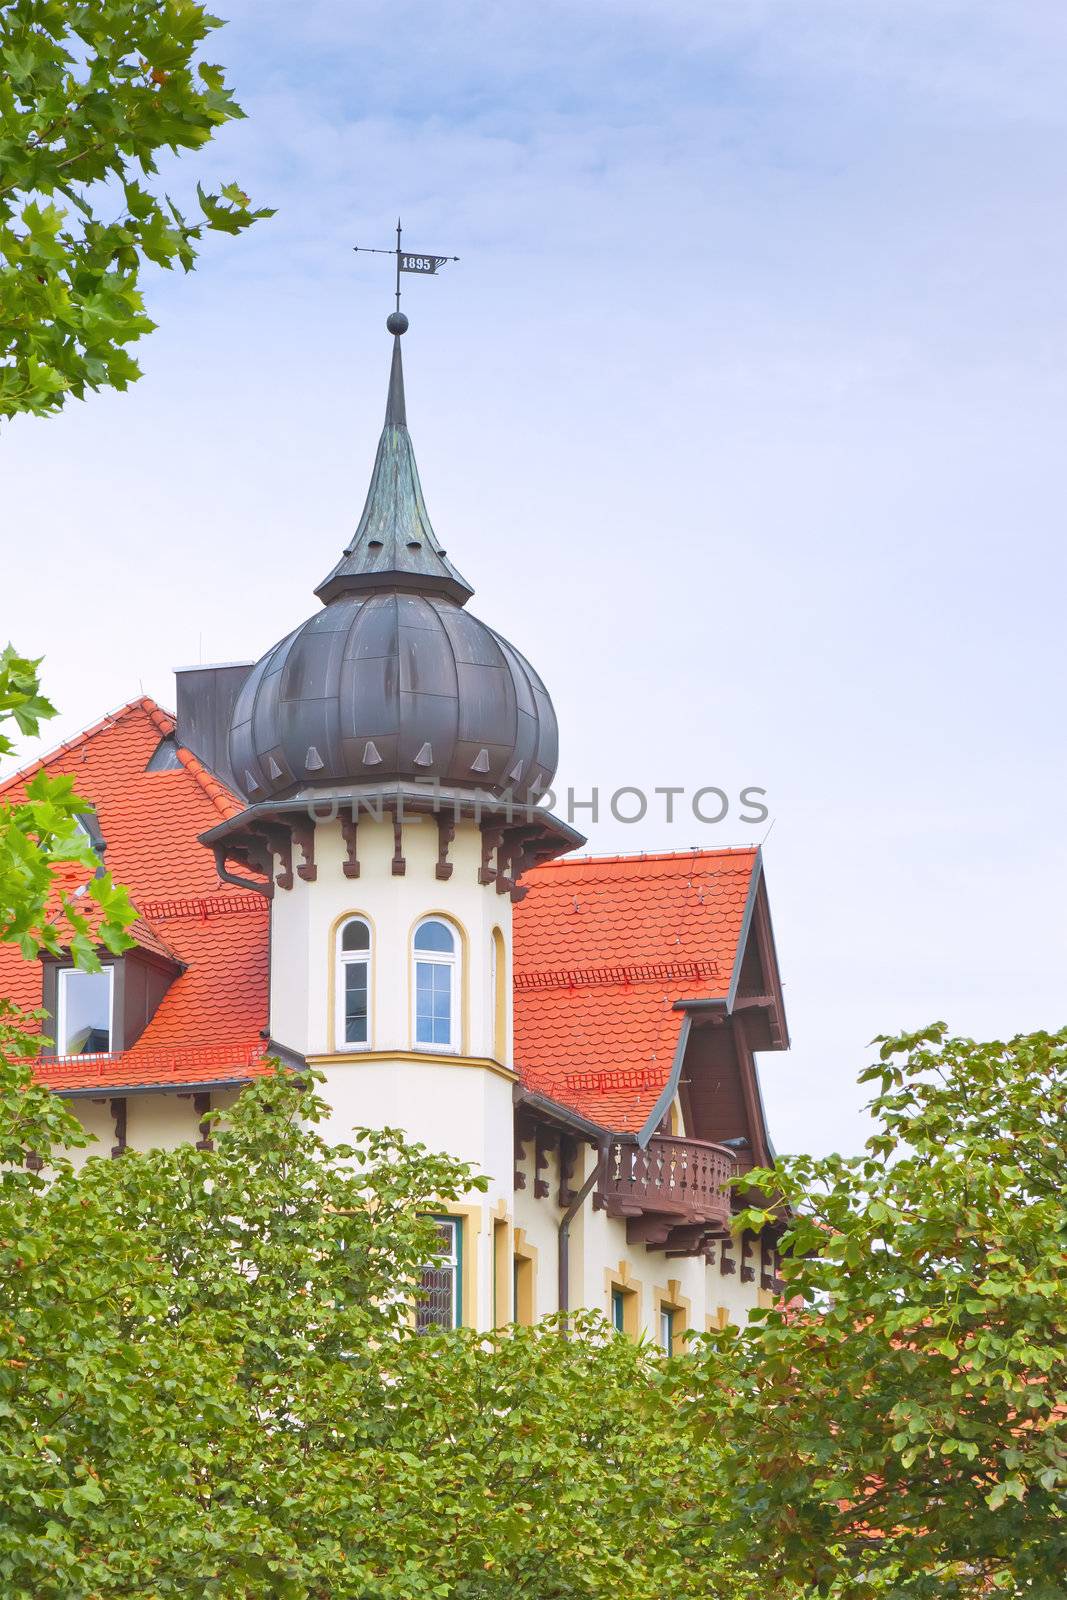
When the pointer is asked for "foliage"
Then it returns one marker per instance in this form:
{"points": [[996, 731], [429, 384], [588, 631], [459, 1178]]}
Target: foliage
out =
{"points": [[91, 91], [48, 868], [901, 1427], [209, 1384]]}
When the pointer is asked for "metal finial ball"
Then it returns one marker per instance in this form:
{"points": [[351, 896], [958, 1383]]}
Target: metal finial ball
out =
{"points": [[396, 322]]}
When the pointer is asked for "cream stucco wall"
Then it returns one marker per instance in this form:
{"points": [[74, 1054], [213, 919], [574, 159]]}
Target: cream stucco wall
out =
{"points": [[304, 921], [458, 1101], [157, 1120]]}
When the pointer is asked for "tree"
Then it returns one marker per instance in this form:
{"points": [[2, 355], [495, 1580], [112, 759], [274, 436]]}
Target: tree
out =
{"points": [[91, 91], [54, 893], [900, 1427], [210, 1384]]}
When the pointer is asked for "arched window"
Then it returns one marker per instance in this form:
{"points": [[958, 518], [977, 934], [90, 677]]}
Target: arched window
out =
{"points": [[498, 978], [436, 986], [353, 984]]}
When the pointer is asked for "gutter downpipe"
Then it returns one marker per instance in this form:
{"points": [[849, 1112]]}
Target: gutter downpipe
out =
{"points": [[564, 1254]]}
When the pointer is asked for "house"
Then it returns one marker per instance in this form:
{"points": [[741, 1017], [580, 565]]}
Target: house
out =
{"points": [[338, 858]]}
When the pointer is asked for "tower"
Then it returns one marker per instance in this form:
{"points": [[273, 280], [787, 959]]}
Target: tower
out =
{"points": [[391, 750]]}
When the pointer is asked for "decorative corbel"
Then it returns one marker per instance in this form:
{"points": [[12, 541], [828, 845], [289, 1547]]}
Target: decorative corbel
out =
{"points": [[568, 1158], [304, 839], [543, 1144], [349, 829], [399, 865], [727, 1264], [118, 1113], [279, 842], [523, 1135], [504, 857], [491, 838], [748, 1271], [446, 832]]}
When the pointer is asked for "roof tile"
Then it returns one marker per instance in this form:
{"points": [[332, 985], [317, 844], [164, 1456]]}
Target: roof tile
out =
{"points": [[604, 947]]}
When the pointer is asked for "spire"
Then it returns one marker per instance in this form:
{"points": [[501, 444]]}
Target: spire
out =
{"points": [[394, 546]]}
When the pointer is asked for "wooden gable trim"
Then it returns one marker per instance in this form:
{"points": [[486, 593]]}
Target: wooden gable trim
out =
{"points": [[746, 1061]]}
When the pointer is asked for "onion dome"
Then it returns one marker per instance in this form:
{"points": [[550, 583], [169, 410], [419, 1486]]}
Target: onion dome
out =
{"points": [[393, 680]]}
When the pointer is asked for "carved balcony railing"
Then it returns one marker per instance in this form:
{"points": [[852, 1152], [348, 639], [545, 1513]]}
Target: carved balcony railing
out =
{"points": [[673, 1193]]}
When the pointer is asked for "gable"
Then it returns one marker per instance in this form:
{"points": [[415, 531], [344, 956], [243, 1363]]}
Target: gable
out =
{"points": [[609, 953], [210, 1021]]}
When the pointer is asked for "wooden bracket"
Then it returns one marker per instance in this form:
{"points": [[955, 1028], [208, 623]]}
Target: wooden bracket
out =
{"points": [[687, 1240], [649, 1229], [118, 1113], [523, 1135], [748, 1271], [349, 829], [304, 839], [727, 1264], [278, 842], [399, 865], [543, 1144], [491, 838], [446, 832], [504, 857], [568, 1158]]}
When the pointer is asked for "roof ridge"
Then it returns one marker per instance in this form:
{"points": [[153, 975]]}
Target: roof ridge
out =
{"points": [[142, 702], [221, 796], [696, 853]]}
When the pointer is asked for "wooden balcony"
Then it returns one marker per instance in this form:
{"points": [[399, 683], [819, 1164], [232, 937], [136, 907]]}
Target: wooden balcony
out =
{"points": [[673, 1193]]}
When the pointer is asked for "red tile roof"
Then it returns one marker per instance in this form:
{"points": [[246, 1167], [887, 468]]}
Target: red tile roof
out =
{"points": [[604, 946], [208, 1025]]}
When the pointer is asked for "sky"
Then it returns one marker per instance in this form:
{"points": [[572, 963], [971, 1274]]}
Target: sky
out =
{"points": [[742, 410]]}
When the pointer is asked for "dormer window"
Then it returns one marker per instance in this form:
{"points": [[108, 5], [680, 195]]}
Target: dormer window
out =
{"points": [[84, 1012]]}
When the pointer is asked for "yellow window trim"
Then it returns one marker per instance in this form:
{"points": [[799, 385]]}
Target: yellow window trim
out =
{"points": [[671, 1299], [359, 1058], [463, 984], [630, 1288], [525, 1309], [333, 961]]}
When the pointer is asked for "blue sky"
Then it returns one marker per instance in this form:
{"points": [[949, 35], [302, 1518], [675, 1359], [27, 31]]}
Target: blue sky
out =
{"points": [[743, 411]]}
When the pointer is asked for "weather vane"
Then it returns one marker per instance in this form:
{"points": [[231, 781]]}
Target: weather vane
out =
{"points": [[406, 261]]}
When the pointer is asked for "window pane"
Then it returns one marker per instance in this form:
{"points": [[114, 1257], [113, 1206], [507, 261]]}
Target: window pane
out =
{"points": [[435, 936], [356, 1002], [85, 1011], [666, 1329], [440, 1282], [618, 1310], [356, 936], [433, 1002]]}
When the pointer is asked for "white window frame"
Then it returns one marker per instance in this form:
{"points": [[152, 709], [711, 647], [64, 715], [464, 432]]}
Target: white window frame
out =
{"points": [[62, 974], [343, 960], [440, 958], [667, 1315]]}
